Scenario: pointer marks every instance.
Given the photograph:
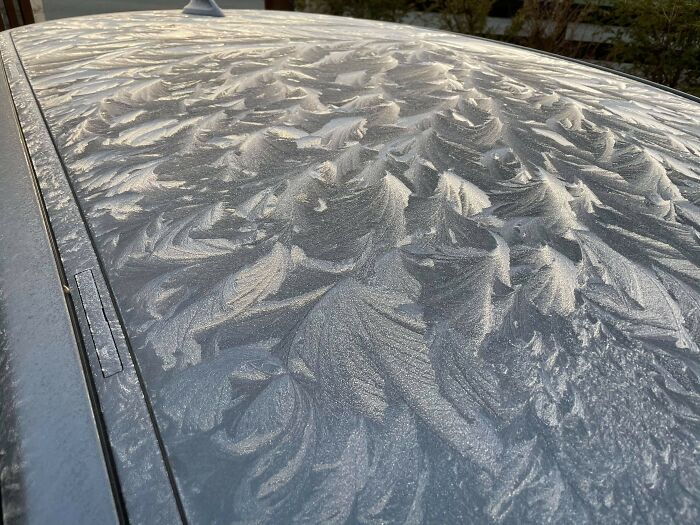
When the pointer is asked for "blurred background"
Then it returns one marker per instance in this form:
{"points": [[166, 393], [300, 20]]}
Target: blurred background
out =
{"points": [[655, 39]]}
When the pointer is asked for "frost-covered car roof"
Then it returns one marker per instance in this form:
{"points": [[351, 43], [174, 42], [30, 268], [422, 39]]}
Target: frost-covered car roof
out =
{"points": [[377, 273]]}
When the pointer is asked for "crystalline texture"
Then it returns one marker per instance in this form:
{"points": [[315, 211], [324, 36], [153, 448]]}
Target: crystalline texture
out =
{"points": [[375, 273]]}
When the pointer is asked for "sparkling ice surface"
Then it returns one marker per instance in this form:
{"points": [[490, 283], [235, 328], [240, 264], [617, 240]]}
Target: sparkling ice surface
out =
{"points": [[381, 274]]}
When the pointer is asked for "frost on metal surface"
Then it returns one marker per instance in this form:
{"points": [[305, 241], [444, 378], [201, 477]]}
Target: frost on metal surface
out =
{"points": [[145, 486], [101, 333], [375, 273]]}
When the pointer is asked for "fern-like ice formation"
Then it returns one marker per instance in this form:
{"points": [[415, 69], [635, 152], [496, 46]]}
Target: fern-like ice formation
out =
{"points": [[381, 274]]}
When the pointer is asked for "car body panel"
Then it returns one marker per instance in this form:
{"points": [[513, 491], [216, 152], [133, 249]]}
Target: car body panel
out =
{"points": [[50, 448], [371, 272], [146, 486]]}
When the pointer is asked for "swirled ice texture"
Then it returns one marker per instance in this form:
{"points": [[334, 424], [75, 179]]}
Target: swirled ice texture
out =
{"points": [[380, 274]]}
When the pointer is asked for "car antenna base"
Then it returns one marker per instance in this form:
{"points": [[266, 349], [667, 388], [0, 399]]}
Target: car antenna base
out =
{"points": [[202, 8]]}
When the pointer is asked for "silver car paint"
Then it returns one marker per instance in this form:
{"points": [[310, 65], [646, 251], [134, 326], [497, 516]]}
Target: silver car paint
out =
{"points": [[376, 273]]}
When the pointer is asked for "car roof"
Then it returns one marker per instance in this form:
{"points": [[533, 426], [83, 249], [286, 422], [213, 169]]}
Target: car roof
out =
{"points": [[376, 272]]}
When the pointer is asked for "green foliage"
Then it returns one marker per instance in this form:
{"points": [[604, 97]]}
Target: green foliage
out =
{"points": [[661, 39], [387, 10], [545, 25], [462, 16]]}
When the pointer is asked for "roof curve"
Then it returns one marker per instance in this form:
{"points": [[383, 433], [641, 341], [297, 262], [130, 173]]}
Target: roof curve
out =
{"points": [[377, 273]]}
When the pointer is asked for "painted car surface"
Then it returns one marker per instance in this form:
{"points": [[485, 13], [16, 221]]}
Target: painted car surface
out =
{"points": [[380, 274]]}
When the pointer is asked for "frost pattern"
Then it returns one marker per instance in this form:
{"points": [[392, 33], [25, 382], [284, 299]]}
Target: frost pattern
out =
{"points": [[379, 274]]}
